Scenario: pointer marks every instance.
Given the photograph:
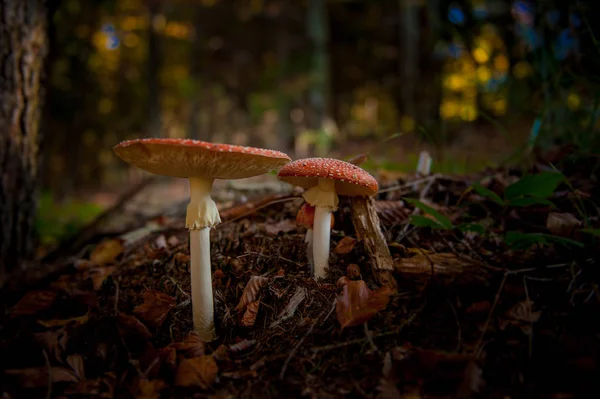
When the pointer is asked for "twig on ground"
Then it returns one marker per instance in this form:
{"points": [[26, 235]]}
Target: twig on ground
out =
{"points": [[397, 331], [310, 330], [411, 183], [458, 327], [47, 360], [369, 337], [83, 235], [232, 214]]}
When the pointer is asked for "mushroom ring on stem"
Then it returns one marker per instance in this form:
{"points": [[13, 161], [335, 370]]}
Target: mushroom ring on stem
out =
{"points": [[324, 179], [201, 163]]}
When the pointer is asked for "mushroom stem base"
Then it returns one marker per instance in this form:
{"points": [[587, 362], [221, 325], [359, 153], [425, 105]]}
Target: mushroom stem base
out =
{"points": [[202, 293]]}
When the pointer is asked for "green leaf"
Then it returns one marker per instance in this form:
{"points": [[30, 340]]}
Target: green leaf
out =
{"points": [[595, 232], [528, 201], [474, 227], [518, 240], [441, 219], [486, 192], [541, 185], [422, 221]]}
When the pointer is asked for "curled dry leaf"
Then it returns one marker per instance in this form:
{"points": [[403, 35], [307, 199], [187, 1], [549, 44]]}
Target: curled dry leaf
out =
{"points": [[155, 308], [242, 345], [342, 281], [249, 317], [54, 341], [36, 377], [102, 387], [251, 291], [131, 325], [74, 321], [107, 251], [34, 302], [353, 271], [391, 213], [198, 372], [192, 345], [345, 245], [98, 275], [562, 224], [358, 304], [76, 364], [150, 389]]}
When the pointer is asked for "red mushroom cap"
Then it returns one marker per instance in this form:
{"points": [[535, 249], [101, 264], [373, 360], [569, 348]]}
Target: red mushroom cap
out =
{"points": [[349, 179], [193, 158]]}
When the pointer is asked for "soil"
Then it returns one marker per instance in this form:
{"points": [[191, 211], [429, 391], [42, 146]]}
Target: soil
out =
{"points": [[471, 317]]}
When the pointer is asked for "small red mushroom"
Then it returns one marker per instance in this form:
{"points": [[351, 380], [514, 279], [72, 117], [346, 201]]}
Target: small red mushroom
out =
{"points": [[201, 163], [324, 179]]}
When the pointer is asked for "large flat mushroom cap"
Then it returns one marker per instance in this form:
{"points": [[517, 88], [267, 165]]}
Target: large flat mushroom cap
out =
{"points": [[194, 158], [350, 180]]}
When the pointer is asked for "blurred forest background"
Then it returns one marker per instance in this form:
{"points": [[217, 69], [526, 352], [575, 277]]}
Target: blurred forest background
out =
{"points": [[472, 81]]}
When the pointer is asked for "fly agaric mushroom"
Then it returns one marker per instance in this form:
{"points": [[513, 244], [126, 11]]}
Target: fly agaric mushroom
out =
{"points": [[305, 218], [324, 179], [201, 163]]}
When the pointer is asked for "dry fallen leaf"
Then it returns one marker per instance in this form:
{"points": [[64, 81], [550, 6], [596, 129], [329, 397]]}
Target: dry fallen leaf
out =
{"points": [[353, 271], [251, 291], [197, 372], [155, 308], [192, 345], [101, 388], [54, 341], [130, 325], [562, 224], [345, 245], [74, 321], [357, 303], [34, 302], [250, 314], [35, 377], [76, 363], [107, 251], [98, 275], [242, 345], [150, 389]]}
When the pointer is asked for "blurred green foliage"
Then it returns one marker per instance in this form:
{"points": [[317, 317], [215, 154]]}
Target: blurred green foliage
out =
{"points": [[56, 221]]}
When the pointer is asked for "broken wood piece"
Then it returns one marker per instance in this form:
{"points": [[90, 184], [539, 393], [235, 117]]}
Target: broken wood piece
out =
{"points": [[368, 230]]}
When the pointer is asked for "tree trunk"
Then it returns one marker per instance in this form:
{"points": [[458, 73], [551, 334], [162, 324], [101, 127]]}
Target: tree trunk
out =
{"points": [[318, 31], [23, 48], [154, 125]]}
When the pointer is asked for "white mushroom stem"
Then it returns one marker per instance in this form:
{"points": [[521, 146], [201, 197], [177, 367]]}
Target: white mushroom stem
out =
{"points": [[321, 238], [202, 214], [325, 200], [202, 294]]}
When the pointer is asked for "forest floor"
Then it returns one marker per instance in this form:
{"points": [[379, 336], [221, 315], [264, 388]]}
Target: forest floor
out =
{"points": [[497, 296]]}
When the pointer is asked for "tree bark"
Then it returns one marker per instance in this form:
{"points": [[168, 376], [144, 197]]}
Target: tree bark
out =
{"points": [[154, 125], [23, 48]]}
